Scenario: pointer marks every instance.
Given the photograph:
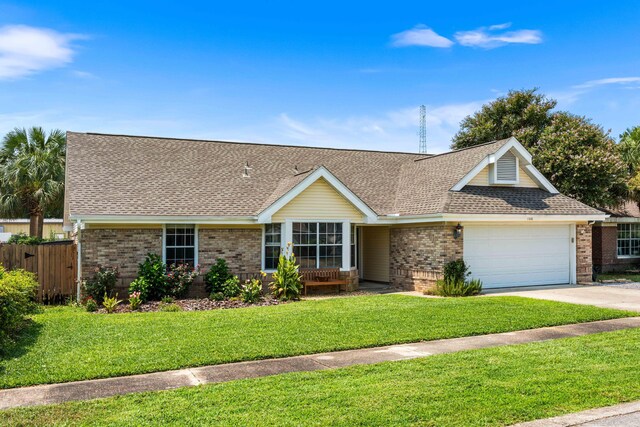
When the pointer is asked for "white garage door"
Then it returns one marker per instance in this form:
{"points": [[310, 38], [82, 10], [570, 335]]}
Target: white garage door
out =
{"points": [[518, 255]]}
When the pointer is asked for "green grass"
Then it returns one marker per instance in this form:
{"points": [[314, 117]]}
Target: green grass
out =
{"points": [[489, 387], [617, 276], [66, 344]]}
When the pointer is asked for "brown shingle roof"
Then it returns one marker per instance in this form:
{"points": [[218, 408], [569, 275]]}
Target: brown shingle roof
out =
{"points": [[131, 175], [628, 209]]}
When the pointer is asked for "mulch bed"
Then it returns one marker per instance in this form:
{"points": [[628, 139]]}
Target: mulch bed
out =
{"points": [[195, 305]]}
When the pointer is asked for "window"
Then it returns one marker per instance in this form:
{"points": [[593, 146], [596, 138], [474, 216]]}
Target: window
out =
{"points": [[180, 244], [629, 240], [1, 228], [272, 240], [318, 244]]}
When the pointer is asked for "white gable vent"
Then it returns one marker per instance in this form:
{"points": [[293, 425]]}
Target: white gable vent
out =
{"points": [[506, 169]]}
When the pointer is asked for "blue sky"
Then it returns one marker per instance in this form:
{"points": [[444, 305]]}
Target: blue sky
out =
{"points": [[310, 73]]}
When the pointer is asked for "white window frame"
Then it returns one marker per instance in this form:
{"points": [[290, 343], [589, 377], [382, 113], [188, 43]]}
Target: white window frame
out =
{"points": [[264, 246], [494, 171], [630, 225], [196, 250], [286, 230]]}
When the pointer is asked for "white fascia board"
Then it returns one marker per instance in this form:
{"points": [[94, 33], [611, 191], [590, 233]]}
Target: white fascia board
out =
{"points": [[151, 219], [487, 218], [519, 149], [537, 176], [472, 173], [625, 219], [264, 217]]}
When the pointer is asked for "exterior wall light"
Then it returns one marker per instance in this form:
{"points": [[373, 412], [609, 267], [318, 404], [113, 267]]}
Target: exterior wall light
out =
{"points": [[457, 232]]}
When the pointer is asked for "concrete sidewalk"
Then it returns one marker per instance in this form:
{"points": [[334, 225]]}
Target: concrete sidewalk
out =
{"points": [[623, 415], [91, 389]]}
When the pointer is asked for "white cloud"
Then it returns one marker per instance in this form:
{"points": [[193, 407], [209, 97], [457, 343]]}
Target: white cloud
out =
{"points": [[26, 50], [627, 81], [394, 130], [420, 35], [489, 37]]}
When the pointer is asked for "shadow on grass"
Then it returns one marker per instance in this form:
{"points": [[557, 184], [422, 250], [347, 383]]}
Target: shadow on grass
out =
{"points": [[23, 341]]}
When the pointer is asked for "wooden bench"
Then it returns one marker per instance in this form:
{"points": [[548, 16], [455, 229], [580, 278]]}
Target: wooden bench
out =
{"points": [[322, 277]]}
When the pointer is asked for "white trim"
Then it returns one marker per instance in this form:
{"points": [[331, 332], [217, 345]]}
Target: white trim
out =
{"points": [[521, 154], [321, 172], [164, 241], [196, 241], [27, 220], [160, 219], [413, 219], [79, 228], [493, 172]]}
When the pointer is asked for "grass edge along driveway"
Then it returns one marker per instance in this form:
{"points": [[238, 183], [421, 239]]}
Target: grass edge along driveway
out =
{"points": [[488, 387], [67, 344]]}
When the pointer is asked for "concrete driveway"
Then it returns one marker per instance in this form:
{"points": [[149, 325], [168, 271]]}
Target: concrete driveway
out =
{"points": [[601, 296]]}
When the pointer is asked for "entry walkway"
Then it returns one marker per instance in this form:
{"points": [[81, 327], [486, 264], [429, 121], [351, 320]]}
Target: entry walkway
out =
{"points": [[91, 389]]}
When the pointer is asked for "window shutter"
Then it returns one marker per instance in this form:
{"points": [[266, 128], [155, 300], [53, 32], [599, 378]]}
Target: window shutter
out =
{"points": [[506, 168]]}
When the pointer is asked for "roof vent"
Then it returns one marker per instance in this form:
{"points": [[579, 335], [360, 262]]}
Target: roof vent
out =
{"points": [[506, 169], [247, 170]]}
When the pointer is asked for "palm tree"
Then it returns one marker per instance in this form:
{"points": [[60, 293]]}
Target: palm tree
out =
{"points": [[32, 174]]}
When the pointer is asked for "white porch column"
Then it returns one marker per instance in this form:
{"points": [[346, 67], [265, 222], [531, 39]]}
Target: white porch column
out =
{"points": [[346, 246]]}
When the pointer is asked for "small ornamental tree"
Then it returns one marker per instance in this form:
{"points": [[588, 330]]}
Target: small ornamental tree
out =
{"points": [[287, 280]]}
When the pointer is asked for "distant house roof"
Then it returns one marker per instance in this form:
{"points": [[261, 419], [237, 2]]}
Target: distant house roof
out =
{"points": [[26, 221], [120, 175], [628, 209]]}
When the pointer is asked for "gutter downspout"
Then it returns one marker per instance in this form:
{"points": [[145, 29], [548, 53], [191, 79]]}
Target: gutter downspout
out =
{"points": [[79, 259]]}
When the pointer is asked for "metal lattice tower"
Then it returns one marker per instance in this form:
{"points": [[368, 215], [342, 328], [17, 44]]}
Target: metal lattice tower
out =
{"points": [[422, 133]]}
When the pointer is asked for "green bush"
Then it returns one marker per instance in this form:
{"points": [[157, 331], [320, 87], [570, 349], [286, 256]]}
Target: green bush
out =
{"points": [[179, 279], [287, 280], [102, 282], [231, 287], [91, 305], [17, 299], [24, 239], [141, 287], [110, 304], [166, 300], [251, 291], [455, 283], [154, 272], [171, 307], [216, 296], [217, 276]]}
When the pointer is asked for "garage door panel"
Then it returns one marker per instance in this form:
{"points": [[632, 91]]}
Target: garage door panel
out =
{"points": [[518, 255]]}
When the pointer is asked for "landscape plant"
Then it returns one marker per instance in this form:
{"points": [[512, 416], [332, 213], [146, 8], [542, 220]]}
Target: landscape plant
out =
{"points": [[110, 303], [169, 307], [251, 291], [179, 279], [231, 287], [455, 282], [102, 282], [134, 300], [17, 299], [91, 305], [287, 280], [217, 276], [154, 274]]}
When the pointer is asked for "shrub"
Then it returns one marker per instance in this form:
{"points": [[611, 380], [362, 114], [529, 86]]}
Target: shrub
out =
{"points": [[231, 287], [153, 271], [167, 300], [287, 280], [455, 284], [169, 307], [102, 282], [17, 299], [91, 305], [140, 286], [134, 301], [179, 279], [217, 296], [24, 239], [110, 303], [251, 291], [217, 276]]}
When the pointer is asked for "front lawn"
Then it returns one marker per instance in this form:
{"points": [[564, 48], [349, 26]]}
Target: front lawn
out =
{"points": [[66, 344], [619, 276], [490, 387]]}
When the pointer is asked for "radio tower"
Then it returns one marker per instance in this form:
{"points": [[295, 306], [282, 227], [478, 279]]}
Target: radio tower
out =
{"points": [[422, 133]]}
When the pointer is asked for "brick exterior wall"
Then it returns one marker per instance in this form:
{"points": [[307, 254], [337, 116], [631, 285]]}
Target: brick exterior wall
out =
{"points": [[418, 255], [605, 251], [583, 254], [240, 247], [122, 248]]}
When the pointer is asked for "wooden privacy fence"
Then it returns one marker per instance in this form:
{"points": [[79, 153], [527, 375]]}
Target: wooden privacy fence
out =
{"points": [[54, 263]]}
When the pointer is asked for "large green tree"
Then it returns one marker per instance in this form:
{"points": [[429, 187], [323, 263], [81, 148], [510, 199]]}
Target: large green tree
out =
{"points": [[577, 156], [32, 175], [523, 114], [629, 148]]}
